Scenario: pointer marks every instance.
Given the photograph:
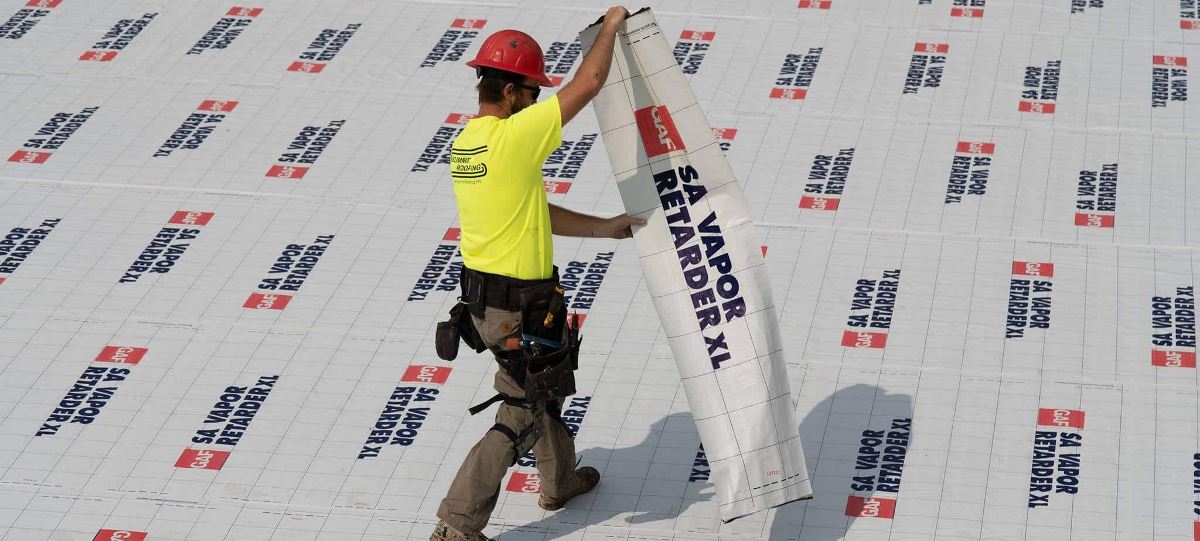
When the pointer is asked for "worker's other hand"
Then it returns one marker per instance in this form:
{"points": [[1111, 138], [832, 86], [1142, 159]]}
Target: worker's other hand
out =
{"points": [[618, 227], [615, 16]]}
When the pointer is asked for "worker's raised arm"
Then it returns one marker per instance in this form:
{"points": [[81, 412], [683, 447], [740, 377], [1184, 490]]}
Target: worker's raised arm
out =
{"points": [[593, 71]]}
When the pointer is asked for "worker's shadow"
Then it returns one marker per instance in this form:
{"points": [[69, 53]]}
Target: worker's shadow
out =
{"points": [[830, 431]]}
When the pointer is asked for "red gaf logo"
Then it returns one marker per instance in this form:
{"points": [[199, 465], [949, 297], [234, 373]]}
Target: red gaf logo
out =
{"points": [[453, 234], [1, 279], [815, 4], [931, 48], [864, 340], [817, 202], [556, 187], [190, 217], [306, 67], [468, 23], [1190, 24], [1035, 107], [725, 134], [286, 171], [789, 93], [555, 80], [121, 355], [659, 135], [267, 301], [1060, 418], [967, 147], [44, 4], [973, 13], [426, 374], [1173, 359], [1084, 219], [458, 118], [243, 12], [576, 319], [696, 35], [1196, 531], [98, 56], [217, 106], [1172, 61], [202, 459], [528, 483], [119, 535], [857, 506], [1031, 268], [25, 156]]}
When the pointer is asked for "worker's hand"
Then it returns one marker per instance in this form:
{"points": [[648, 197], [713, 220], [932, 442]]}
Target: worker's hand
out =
{"points": [[618, 227], [615, 16]]}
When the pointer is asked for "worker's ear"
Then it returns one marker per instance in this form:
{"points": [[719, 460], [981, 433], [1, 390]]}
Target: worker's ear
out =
{"points": [[510, 90]]}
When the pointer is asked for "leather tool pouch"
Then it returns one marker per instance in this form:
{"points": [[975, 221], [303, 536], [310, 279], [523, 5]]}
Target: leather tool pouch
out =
{"points": [[543, 315], [458, 327], [552, 376]]}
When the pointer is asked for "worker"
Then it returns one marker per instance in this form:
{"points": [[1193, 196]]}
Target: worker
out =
{"points": [[510, 285]]}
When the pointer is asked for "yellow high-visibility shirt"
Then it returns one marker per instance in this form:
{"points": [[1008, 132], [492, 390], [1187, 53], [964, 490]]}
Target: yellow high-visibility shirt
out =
{"points": [[496, 166]]}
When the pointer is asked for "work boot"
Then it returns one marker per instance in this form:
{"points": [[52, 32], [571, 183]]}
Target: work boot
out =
{"points": [[443, 532], [586, 478]]}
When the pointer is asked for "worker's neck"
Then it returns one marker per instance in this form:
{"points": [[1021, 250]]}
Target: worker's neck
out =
{"points": [[494, 109]]}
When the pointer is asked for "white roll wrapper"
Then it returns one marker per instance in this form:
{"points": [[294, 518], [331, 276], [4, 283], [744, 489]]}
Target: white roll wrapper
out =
{"points": [[705, 270]]}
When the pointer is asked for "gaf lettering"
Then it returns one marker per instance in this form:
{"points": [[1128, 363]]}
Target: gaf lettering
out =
{"points": [[233, 412], [59, 128], [581, 281], [20, 242], [1041, 83], [700, 467], [452, 45], [566, 160], [1097, 191], [676, 191], [1024, 309], [1077, 6], [443, 272], [194, 130], [561, 56], [689, 55], [22, 22], [572, 417], [398, 424], [310, 143], [874, 301], [1168, 84], [880, 461], [297, 261], [438, 149], [798, 70], [329, 43], [121, 34], [1176, 316], [161, 254], [924, 71], [221, 35], [968, 176], [84, 401], [1053, 471], [1196, 483], [828, 174]]}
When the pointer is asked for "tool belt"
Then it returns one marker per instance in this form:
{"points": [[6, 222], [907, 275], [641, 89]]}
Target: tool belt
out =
{"points": [[543, 360]]}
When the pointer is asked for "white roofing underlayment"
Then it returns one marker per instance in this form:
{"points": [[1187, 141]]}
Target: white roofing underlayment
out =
{"points": [[227, 232]]}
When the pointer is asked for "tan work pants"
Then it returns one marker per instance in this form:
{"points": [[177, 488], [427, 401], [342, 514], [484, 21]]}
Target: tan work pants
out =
{"points": [[476, 487]]}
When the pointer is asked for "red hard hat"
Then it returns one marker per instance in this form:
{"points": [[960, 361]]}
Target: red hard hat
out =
{"points": [[512, 51]]}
